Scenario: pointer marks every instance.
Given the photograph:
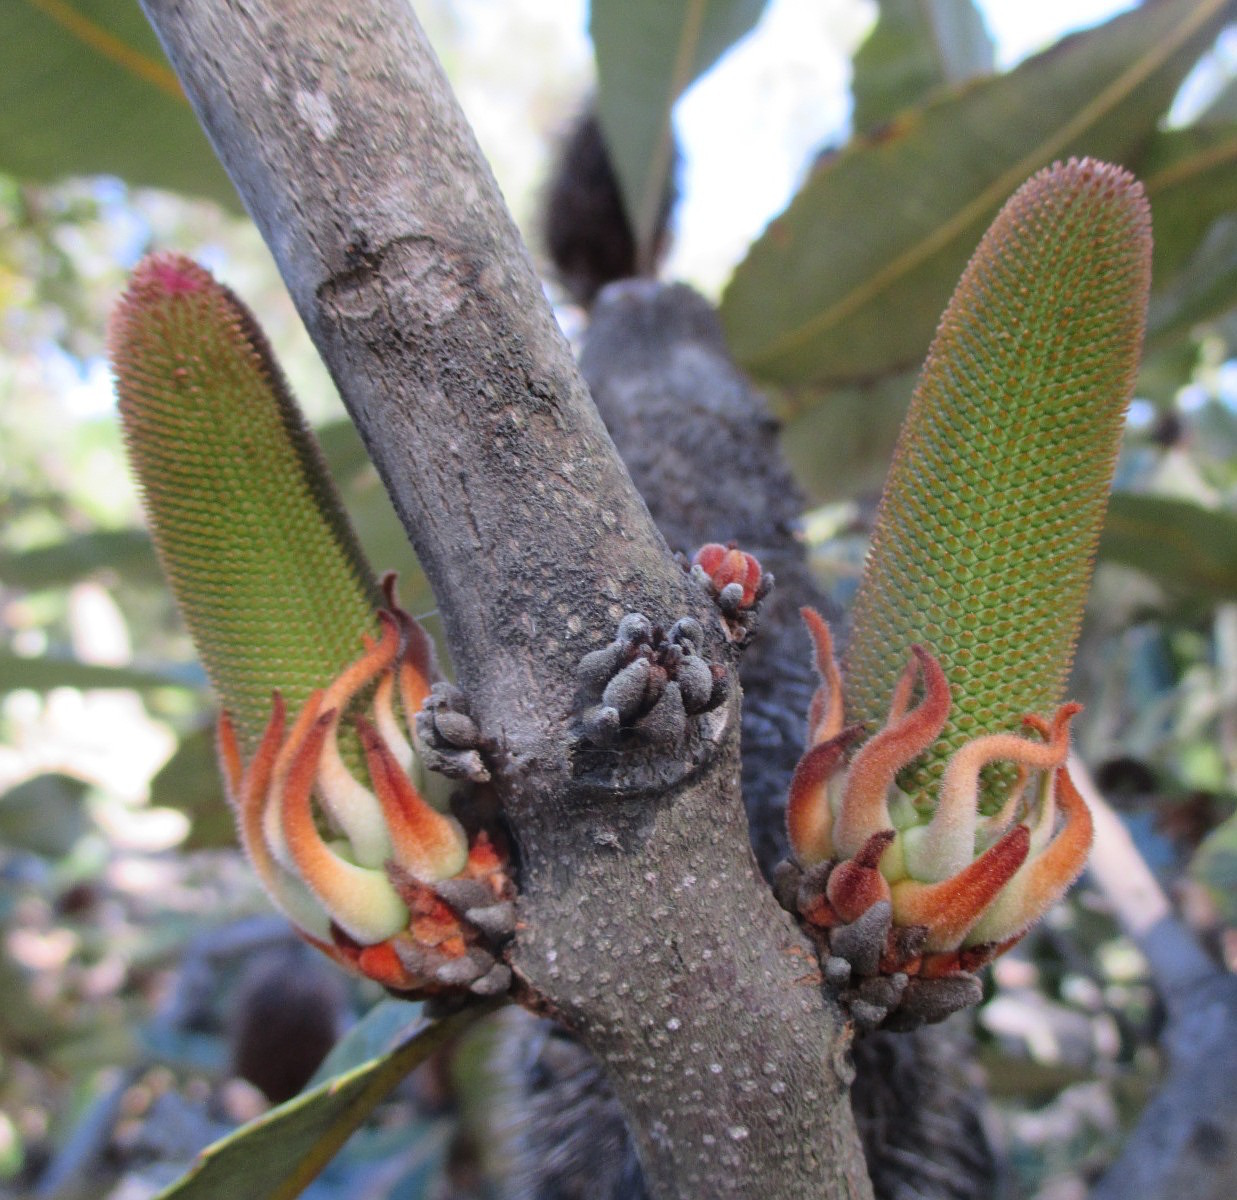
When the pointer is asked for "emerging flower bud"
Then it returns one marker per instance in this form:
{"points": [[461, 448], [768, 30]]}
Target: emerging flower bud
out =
{"points": [[735, 583], [729, 567]]}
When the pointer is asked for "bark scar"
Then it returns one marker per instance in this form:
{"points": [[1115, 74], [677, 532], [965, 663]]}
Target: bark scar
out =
{"points": [[357, 288]]}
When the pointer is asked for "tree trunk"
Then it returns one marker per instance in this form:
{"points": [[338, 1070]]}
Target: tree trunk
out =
{"points": [[702, 447], [645, 924]]}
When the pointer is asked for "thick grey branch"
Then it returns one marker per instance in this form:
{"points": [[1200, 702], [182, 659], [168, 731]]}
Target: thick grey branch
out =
{"points": [[1183, 1144], [702, 447], [1178, 963], [643, 920]]}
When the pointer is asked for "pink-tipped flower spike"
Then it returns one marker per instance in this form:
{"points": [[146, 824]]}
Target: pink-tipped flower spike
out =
{"points": [[276, 592], [416, 904], [250, 530], [982, 550]]}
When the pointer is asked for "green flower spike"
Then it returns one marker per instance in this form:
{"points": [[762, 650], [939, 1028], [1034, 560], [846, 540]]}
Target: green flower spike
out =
{"points": [[278, 598], [987, 528], [955, 826]]}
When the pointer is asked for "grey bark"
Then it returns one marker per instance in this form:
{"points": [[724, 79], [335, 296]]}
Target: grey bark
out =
{"points": [[645, 924], [703, 450], [1185, 1142], [702, 447]]}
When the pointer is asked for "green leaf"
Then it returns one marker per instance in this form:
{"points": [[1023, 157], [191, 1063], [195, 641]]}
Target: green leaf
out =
{"points": [[279, 1154], [126, 551], [383, 1028], [840, 442], [1184, 547], [647, 52], [1205, 289], [85, 90], [915, 47], [1166, 371], [987, 527], [847, 284], [1215, 867], [1191, 180], [44, 815], [45, 672], [265, 566], [189, 783]]}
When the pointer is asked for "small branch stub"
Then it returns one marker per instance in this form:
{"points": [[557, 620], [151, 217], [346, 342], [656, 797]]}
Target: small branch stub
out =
{"points": [[648, 691]]}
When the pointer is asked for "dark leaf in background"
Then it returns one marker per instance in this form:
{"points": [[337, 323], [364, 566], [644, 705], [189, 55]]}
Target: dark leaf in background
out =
{"points": [[46, 671], [45, 815], [1203, 290], [1186, 548], [128, 552], [1166, 370], [833, 293], [383, 1028], [916, 47], [648, 51], [1191, 180], [279, 1154], [85, 90], [840, 442]]}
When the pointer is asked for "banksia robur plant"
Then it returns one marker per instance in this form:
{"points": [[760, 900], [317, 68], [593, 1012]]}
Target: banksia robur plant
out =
{"points": [[930, 847], [272, 584]]}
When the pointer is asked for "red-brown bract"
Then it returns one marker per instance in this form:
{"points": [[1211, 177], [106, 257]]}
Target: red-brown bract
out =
{"points": [[390, 899], [972, 883]]}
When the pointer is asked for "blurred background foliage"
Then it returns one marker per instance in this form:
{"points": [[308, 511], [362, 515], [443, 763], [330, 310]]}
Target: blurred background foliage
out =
{"points": [[880, 142]]}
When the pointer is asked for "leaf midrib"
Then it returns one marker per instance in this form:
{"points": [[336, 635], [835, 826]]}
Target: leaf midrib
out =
{"points": [[882, 280], [94, 37]]}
